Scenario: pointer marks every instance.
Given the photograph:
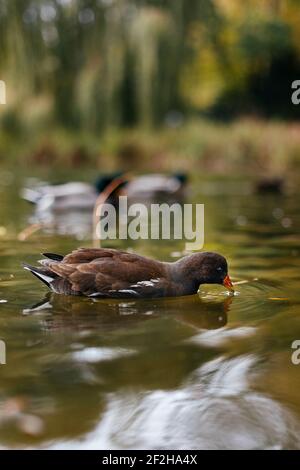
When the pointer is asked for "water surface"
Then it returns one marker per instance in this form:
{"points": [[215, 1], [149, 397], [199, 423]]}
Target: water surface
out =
{"points": [[205, 371]]}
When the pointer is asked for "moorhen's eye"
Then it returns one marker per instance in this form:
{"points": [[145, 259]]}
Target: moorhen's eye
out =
{"points": [[220, 269]]}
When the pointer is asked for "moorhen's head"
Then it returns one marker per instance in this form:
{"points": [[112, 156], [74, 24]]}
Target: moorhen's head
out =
{"points": [[207, 268]]}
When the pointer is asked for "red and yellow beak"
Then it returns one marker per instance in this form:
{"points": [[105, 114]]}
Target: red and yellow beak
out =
{"points": [[228, 284]]}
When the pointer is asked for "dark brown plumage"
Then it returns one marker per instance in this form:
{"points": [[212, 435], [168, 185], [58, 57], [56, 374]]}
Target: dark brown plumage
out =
{"points": [[112, 273]]}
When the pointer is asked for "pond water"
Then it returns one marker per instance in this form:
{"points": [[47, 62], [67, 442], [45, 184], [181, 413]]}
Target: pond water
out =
{"points": [[207, 371]]}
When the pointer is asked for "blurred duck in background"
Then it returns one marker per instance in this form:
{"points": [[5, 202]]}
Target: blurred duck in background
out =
{"points": [[67, 208], [157, 187], [82, 196], [67, 196], [271, 185]]}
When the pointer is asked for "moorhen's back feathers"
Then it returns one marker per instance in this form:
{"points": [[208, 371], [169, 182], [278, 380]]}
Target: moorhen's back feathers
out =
{"points": [[114, 273], [53, 256]]}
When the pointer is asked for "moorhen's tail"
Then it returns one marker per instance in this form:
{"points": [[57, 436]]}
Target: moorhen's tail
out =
{"points": [[43, 274]]}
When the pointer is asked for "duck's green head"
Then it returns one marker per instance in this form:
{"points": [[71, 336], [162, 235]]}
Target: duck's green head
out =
{"points": [[104, 180], [181, 177]]}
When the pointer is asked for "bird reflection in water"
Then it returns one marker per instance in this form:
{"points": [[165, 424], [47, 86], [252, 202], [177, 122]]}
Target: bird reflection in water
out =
{"points": [[142, 391], [78, 312], [104, 348]]}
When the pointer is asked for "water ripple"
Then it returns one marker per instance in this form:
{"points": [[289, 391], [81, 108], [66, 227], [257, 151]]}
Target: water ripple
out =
{"points": [[215, 409]]}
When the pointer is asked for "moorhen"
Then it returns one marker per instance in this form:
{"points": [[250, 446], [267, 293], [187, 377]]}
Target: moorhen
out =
{"points": [[106, 272]]}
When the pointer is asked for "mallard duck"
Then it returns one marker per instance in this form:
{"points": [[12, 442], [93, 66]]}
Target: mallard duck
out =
{"points": [[155, 186], [67, 196], [106, 272]]}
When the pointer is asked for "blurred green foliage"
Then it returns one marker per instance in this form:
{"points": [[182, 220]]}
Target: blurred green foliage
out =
{"points": [[100, 64]]}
